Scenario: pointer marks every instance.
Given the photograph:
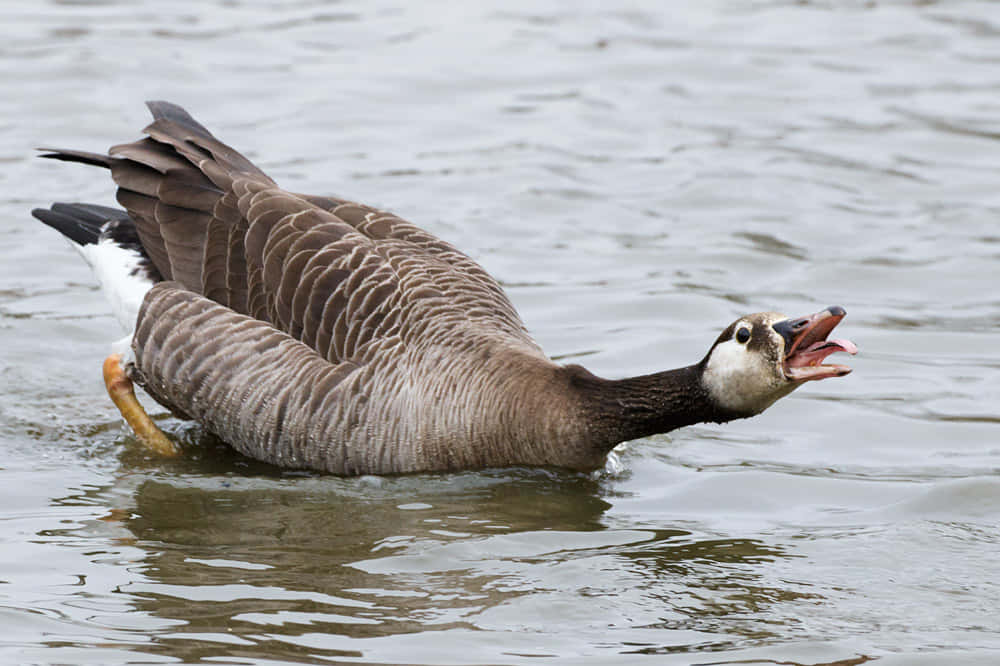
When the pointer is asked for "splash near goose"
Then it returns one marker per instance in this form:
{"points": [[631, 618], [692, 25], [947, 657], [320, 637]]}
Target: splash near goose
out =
{"points": [[315, 332]]}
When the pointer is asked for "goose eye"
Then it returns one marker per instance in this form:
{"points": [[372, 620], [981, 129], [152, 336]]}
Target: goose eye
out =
{"points": [[743, 335]]}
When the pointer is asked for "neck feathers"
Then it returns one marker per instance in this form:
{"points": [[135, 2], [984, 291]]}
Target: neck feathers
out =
{"points": [[626, 409]]}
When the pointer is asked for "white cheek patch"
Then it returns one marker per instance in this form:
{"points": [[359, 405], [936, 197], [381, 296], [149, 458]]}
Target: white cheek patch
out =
{"points": [[742, 380], [726, 372]]}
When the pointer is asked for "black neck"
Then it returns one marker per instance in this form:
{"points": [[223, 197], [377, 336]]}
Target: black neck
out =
{"points": [[625, 409]]}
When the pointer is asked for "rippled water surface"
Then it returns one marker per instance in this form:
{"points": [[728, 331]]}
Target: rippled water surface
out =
{"points": [[637, 175]]}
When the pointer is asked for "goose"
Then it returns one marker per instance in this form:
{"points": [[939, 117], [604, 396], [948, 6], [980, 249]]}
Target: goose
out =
{"points": [[316, 332]]}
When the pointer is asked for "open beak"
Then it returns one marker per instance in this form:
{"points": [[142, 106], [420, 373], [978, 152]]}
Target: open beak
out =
{"points": [[807, 346]]}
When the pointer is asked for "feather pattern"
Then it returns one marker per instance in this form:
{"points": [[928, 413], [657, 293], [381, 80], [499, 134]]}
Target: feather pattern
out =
{"points": [[386, 407], [107, 240], [316, 332], [312, 331]]}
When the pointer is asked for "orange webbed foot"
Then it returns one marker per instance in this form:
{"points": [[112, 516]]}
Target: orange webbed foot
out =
{"points": [[123, 395]]}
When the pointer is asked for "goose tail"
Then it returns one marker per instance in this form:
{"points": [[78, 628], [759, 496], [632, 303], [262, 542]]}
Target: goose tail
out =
{"points": [[107, 240]]}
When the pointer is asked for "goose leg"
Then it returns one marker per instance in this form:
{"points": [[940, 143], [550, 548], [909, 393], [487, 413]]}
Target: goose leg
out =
{"points": [[120, 389]]}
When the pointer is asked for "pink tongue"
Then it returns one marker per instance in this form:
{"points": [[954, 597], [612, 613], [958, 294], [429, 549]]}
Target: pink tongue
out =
{"points": [[818, 351], [845, 345]]}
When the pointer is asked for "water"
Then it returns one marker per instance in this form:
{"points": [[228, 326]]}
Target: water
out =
{"points": [[637, 177]]}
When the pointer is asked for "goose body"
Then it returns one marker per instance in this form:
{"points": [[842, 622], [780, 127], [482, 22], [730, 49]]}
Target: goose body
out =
{"points": [[315, 332]]}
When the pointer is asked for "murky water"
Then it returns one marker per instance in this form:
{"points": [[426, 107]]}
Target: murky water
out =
{"points": [[636, 177]]}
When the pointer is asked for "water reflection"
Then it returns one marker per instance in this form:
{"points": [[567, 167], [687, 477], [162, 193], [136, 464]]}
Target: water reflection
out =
{"points": [[309, 567]]}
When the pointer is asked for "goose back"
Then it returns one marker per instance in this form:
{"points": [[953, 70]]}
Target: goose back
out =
{"points": [[213, 222]]}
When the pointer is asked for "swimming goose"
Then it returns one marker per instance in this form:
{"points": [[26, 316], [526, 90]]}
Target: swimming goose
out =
{"points": [[315, 332]]}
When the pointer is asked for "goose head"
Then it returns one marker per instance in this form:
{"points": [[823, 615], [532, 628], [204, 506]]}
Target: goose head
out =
{"points": [[762, 357]]}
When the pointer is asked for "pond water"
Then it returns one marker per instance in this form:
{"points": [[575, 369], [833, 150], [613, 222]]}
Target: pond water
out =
{"points": [[637, 175]]}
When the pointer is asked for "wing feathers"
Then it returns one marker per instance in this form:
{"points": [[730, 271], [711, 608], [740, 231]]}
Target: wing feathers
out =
{"points": [[162, 110], [153, 154], [365, 290], [319, 284]]}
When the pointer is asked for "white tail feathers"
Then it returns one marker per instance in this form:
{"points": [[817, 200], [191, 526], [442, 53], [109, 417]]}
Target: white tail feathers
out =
{"points": [[123, 277]]}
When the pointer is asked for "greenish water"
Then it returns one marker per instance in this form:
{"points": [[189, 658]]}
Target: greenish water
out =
{"points": [[636, 178]]}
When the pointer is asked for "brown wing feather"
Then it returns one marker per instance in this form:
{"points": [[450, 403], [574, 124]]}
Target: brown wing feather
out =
{"points": [[468, 279], [296, 322], [232, 235], [211, 220], [335, 274]]}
